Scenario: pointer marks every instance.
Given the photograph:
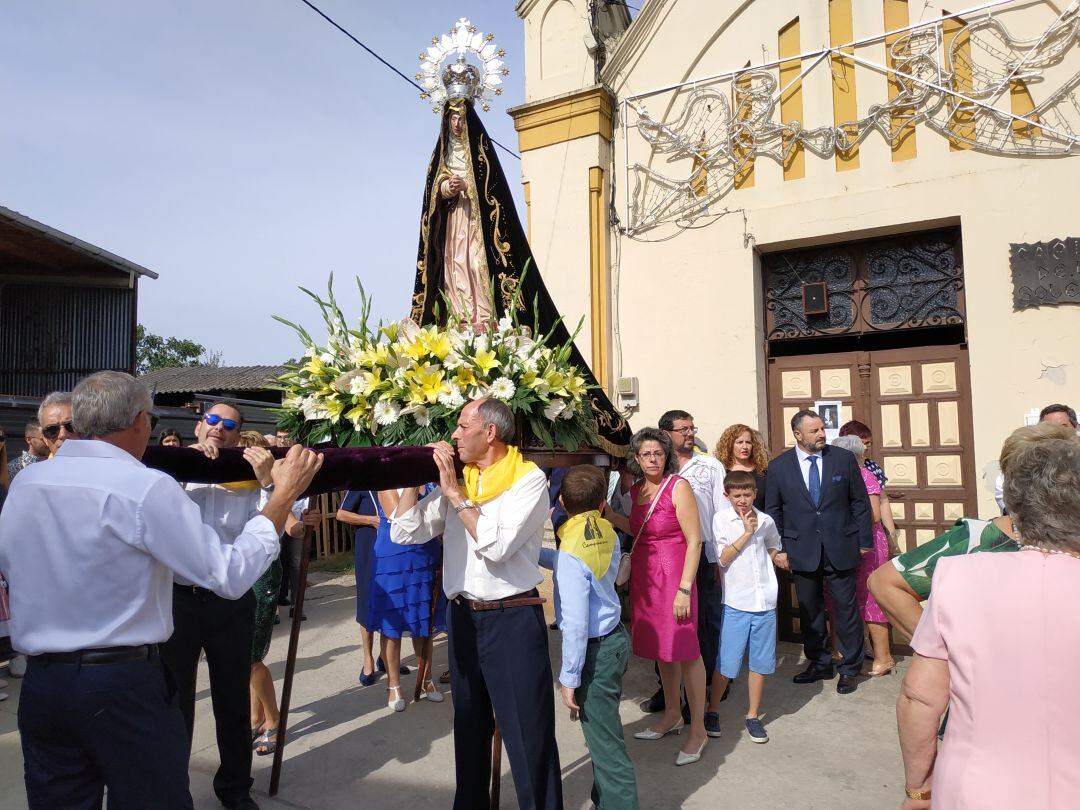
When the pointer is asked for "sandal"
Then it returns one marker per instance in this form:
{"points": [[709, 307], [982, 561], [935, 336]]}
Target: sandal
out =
{"points": [[265, 746], [877, 672], [429, 691], [394, 700]]}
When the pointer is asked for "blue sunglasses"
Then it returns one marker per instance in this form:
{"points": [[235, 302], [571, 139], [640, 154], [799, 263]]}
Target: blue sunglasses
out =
{"points": [[213, 419]]}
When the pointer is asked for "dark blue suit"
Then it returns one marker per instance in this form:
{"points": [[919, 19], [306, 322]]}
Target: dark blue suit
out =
{"points": [[823, 543]]}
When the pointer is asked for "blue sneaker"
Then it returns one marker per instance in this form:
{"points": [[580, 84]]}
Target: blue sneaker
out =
{"points": [[756, 731], [712, 724]]}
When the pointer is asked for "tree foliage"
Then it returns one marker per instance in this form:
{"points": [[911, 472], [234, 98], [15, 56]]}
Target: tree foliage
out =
{"points": [[153, 351]]}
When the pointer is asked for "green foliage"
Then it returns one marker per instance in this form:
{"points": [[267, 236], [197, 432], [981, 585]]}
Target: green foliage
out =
{"points": [[153, 351]]}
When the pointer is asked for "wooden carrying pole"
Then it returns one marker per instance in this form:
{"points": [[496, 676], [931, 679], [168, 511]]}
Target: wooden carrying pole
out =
{"points": [[290, 661]]}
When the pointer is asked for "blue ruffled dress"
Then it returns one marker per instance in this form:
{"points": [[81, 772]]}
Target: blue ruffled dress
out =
{"points": [[400, 593]]}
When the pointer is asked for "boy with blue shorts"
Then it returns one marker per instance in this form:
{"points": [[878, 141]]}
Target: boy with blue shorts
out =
{"points": [[746, 542]]}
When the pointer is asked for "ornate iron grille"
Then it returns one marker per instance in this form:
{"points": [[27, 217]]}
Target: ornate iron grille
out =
{"points": [[910, 282]]}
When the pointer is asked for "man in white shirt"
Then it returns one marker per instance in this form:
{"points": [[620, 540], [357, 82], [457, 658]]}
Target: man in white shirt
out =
{"points": [[89, 542], [492, 530], [706, 478], [222, 626]]}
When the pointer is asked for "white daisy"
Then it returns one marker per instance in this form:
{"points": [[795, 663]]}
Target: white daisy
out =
{"points": [[386, 412], [503, 388]]}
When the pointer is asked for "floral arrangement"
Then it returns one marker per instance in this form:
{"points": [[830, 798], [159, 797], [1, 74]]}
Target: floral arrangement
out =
{"points": [[402, 384]]}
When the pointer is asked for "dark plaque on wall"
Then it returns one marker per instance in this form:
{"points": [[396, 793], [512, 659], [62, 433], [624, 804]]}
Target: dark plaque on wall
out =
{"points": [[1045, 274]]}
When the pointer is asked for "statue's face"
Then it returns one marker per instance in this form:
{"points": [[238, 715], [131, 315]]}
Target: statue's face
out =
{"points": [[455, 124]]}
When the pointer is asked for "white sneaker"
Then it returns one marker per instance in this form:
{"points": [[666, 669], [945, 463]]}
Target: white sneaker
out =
{"points": [[392, 702], [431, 692], [17, 666]]}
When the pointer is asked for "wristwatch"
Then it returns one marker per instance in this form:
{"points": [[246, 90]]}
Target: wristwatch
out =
{"points": [[465, 504], [920, 795], [684, 591]]}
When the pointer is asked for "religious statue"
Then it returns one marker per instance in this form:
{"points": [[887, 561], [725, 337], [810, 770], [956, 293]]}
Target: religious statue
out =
{"points": [[473, 259]]}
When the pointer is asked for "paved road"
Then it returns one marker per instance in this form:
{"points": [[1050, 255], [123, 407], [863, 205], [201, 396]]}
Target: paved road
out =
{"points": [[826, 752]]}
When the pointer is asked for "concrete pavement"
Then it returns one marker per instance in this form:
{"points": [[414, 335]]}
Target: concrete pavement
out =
{"points": [[826, 752]]}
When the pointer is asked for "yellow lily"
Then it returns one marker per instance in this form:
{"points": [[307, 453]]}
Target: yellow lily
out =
{"points": [[485, 361]]}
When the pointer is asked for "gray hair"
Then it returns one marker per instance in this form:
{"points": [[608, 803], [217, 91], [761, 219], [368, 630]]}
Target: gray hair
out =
{"points": [[650, 434], [498, 413], [107, 402], [853, 444], [55, 398], [1042, 486]]}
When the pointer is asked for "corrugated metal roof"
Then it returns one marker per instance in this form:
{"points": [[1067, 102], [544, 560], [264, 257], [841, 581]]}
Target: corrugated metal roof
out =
{"points": [[197, 379], [20, 222]]}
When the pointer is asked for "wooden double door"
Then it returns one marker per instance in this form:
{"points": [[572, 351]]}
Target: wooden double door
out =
{"points": [[917, 403]]}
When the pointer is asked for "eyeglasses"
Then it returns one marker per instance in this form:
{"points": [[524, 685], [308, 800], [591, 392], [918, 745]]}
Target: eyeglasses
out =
{"points": [[685, 431], [213, 419], [657, 454], [51, 432], [153, 419]]}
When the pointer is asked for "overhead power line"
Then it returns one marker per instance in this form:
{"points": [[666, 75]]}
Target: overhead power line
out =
{"points": [[338, 26]]}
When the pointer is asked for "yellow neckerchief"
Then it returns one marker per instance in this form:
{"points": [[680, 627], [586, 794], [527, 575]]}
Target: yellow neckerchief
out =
{"points": [[483, 486], [591, 539], [237, 486]]}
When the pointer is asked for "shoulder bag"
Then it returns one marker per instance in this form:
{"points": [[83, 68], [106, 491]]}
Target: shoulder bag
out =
{"points": [[622, 576]]}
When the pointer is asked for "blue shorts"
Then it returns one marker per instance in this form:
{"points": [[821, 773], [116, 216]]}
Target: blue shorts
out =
{"points": [[742, 631]]}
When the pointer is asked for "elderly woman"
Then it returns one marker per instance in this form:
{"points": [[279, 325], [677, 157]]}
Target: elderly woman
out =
{"points": [[997, 647], [740, 447], [856, 428], [663, 600], [877, 623]]}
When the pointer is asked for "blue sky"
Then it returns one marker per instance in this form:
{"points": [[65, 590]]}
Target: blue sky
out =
{"points": [[237, 148]]}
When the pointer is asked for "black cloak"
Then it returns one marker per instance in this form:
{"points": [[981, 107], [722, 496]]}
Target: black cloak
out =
{"points": [[507, 252]]}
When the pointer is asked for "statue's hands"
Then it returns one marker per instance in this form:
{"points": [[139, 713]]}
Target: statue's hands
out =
{"points": [[455, 185]]}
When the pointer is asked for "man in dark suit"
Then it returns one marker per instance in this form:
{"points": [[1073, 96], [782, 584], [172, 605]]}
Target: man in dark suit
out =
{"points": [[817, 497]]}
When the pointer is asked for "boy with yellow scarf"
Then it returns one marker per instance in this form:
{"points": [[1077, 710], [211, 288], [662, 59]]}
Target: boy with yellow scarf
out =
{"points": [[595, 647]]}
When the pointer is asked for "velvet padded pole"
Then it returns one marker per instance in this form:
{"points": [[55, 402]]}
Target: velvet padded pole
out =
{"points": [[343, 468]]}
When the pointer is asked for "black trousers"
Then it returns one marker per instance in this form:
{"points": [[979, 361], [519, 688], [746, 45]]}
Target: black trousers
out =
{"points": [[291, 550], [223, 628], [710, 614], [499, 664], [809, 589], [85, 727]]}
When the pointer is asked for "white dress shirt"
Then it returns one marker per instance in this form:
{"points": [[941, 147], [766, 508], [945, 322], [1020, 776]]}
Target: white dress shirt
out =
{"points": [[503, 559], [226, 511], [749, 580], [89, 542], [706, 478], [804, 466]]}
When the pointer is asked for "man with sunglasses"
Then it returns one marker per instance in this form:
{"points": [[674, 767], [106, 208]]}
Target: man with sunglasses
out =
{"points": [[90, 542], [36, 449], [54, 414], [222, 627]]}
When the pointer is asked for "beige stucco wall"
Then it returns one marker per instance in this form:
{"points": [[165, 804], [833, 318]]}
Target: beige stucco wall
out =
{"points": [[688, 309]]}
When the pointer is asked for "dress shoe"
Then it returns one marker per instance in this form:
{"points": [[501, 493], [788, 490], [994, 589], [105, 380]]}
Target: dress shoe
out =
{"points": [[686, 759], [655, 703], [846, 684], [242, 803], [814, 673], [649, 734]]}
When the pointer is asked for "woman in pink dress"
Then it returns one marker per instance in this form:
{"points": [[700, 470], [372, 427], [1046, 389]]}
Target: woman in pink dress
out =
{"points": [[877, 623], [663, 599], [1000, 647]]}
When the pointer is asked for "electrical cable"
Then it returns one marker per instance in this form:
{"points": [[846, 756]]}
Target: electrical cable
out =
{"points": [[336, 25]]}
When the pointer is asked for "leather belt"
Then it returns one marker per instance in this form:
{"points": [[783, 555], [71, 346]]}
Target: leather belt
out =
{"points": [[598, 639], [521, 600], [101, 655]]}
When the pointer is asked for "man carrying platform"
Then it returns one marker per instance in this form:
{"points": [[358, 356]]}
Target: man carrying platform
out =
{"points": [[492, 529]]}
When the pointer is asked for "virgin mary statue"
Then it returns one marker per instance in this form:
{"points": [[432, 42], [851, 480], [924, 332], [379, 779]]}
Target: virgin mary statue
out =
{"points": [[473, 253]]}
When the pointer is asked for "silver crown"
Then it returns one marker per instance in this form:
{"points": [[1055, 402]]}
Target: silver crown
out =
{"points": [[462, 80]]}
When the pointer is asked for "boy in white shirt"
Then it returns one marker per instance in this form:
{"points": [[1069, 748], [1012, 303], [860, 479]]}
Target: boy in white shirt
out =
{"points": [[746, 541]]}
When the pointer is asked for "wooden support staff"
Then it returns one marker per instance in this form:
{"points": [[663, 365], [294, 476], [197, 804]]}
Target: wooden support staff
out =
{"points": [[290, 662]]}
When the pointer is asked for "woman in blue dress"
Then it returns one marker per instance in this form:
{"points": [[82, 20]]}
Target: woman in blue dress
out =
{"points": [[400, 600]]}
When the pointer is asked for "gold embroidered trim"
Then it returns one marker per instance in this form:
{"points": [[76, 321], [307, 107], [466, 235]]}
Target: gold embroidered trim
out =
{"points": [[510, 288], [502, 247]]}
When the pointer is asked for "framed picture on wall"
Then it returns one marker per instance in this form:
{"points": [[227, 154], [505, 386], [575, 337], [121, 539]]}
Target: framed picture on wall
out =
{"points": [[829, 411]]}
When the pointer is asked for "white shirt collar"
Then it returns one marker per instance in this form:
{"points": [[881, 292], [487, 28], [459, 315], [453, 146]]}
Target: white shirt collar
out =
{"points": [[94, 448], [803, 455]]}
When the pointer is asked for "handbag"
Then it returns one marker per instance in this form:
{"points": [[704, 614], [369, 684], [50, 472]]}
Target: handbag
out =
{"points": [[622, 576]]}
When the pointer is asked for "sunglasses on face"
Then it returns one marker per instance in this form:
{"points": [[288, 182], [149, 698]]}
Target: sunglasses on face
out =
{"points": [[51, 432], [213, 420]]}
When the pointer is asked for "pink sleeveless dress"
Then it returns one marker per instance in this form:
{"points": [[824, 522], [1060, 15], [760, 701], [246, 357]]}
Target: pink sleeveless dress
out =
{"points": [[655, 571]]}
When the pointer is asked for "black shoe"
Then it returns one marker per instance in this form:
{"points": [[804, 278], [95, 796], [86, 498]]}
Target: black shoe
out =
{"points": [[712, 724], [655, 703], [846, 685], [380, 666], [286, 601], [303, 618], [815, 673], [243, 803]]}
